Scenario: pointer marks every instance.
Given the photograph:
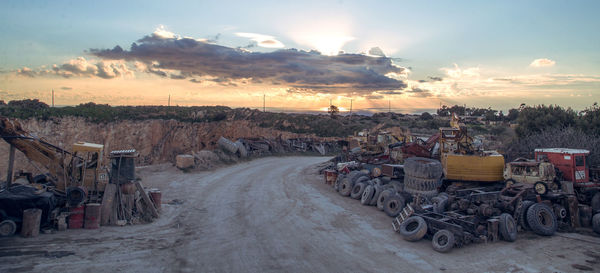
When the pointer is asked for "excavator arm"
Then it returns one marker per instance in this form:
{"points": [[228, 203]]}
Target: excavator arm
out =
{"points": [[35, 149]]}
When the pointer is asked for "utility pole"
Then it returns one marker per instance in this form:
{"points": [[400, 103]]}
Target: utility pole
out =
{"points": [[169, 103], [264, 98], [350, 107], [52, 97]]}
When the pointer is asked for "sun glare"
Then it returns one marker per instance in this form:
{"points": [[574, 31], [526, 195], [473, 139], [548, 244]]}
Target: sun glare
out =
{"points": [[329, 44], [328, 37]]}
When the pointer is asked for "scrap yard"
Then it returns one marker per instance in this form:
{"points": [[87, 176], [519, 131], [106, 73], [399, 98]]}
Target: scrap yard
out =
{"points": [[377, 201], [275, 214], [299, 136]]}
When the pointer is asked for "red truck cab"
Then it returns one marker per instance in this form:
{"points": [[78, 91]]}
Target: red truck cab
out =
{"points": [[572, 163]]}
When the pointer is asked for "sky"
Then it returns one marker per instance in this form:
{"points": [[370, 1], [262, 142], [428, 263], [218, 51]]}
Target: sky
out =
{"points": [[407, 56]]}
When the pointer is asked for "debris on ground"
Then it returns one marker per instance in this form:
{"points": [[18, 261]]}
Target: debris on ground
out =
{"points": [[76, 190], [451, 191]]}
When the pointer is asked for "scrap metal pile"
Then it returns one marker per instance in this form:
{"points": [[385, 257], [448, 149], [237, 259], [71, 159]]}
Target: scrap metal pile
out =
{"points": [[459, 194], [245, 147], [73, 189]]}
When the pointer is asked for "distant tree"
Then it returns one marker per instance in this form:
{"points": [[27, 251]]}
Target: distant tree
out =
{"points": [[333, 110], [490, 114], [589, 120], [34, 104], [513, 114], [445, 111], [426, 116], [538, 118]]}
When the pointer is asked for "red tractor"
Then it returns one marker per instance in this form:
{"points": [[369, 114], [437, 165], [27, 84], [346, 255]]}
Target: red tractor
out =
{"points": [[576, 178]]}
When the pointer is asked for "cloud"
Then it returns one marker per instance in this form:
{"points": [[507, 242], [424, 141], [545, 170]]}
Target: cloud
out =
{"points": [[295, 68], [262, 40], [27, 72], [542, 63], [376, 51], [418, 92], [457, 72], [80, 67], [66, 88], [436, 79]]}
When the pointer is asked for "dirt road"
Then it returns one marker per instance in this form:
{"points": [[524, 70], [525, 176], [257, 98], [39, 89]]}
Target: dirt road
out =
{"points": [[275, 214]]}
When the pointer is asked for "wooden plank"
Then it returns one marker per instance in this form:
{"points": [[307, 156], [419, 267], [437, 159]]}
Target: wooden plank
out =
{"points": [[11, 163], [146, 199], [128, 202], [107, 204]]}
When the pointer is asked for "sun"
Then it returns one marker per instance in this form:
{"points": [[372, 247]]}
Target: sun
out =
{"points": [[327, 37], [329, 44]]}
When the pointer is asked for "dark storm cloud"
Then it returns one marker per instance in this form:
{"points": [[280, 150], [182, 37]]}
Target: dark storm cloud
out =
{"points": [[390, 92], [336, 74], [418, 92]]}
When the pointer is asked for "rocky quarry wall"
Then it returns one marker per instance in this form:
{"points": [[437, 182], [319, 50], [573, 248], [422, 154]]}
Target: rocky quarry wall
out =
{"points": [[157, 141]]}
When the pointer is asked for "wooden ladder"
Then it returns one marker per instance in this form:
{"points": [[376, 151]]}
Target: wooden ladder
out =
{"points": [[404, 214]]}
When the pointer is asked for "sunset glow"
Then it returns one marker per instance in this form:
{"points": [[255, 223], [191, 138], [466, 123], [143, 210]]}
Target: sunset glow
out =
{"points": [[369, 55]]}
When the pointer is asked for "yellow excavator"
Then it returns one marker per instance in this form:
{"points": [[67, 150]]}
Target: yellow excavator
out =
{"points": [[81, 167], [461, 161]]}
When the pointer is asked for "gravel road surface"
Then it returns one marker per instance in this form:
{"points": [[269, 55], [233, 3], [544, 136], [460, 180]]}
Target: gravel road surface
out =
{"points": [[275, 215]]}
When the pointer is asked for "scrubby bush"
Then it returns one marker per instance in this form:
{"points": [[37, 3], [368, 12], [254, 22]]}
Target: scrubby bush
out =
{"points": [[554, 137]]}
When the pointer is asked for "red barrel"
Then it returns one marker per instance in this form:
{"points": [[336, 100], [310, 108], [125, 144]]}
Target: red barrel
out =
{"points": [[156, 195], [92, 216], [76, 217]]}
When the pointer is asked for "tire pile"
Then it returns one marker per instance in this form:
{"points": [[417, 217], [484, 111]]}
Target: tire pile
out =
{"points": [[379, 192], [422, 178]]}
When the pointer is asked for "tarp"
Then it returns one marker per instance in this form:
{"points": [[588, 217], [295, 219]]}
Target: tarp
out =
{"points": [[21, 197]]}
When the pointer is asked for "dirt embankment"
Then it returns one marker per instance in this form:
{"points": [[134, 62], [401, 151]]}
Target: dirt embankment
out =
{"points": [[157, 141]]}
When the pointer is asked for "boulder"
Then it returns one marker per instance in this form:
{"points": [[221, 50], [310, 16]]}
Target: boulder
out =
{"points": [[184, 162]]}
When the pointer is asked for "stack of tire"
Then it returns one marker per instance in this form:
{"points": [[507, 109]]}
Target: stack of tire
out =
{"points": [[422, 176], [371, 192], [538, 217]]}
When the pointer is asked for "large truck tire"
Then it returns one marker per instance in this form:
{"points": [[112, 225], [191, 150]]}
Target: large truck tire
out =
{"points": [[346, 187], [357, 190], [523, 217], [355, 175], [393, 205], [541, 219], [367, 195], [383, 197], [596, 203], [421, 186], [443, 241], [596, 223], [338, 181], [413, 228], [378, 190], [422, 167], [508, 227]]}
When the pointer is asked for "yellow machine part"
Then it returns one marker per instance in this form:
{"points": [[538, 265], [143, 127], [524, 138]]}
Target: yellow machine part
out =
{"points": [[488, 168]]}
